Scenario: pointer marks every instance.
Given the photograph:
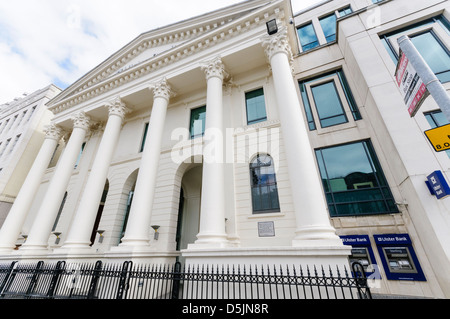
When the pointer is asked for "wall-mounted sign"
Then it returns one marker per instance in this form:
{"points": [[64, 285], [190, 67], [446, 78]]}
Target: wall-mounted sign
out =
{"points": [[412, 88], [266, 229], [439, 137], [398, 257], [437, 185]]}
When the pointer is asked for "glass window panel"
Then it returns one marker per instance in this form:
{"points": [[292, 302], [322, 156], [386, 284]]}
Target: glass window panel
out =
{"points": [[339, 116], [256, 199], [197, 126], [345, 11], [256, 106], [351, 177], [308, 37], [265, 198], [428, 44], [264, 186], [309, 116], [328, 104], [329, 27], [432, 52]]}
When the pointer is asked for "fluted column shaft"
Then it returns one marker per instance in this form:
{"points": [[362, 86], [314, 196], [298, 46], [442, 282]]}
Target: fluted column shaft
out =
{"points": [[138, 225], [45, 218], [84, 220], [14, 221], [212, 208], [313, 224]]}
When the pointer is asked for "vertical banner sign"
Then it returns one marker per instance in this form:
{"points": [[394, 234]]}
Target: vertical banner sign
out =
{"points": [[412, 88]]}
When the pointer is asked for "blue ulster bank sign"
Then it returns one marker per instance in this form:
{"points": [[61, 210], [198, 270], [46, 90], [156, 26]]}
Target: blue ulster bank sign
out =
{"points": [[437, 185]]}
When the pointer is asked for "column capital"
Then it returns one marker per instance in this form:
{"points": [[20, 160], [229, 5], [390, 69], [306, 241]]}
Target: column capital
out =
{"points": [[117, 107], [277, 43], [81, 120], [162, 89], [215, 68], [53, 131]]}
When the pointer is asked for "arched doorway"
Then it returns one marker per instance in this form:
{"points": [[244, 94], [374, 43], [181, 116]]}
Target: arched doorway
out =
{"points": [[189, 207]]}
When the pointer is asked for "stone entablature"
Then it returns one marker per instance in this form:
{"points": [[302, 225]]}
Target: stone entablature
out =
{"points": [[106, 82]]}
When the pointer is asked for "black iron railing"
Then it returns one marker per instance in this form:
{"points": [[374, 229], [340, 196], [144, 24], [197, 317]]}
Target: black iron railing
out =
{"points": [[62, 280]]}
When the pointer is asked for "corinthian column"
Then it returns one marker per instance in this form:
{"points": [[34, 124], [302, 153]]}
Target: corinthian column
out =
{"points": [[83, 222], [138, 224], [45, 218], [18, 213], [313, 225], [212, 209]]}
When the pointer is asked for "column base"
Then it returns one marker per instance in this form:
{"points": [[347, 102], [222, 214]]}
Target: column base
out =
{"points": [[7, 250], [30, 249], [316, 236], [209, 241]]}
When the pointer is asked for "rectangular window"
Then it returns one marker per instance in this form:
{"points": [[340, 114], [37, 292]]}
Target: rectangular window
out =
{"points": [[328, 104], [308, 37], [328, 24], [434, 53], [80, 154], [256, 106], [428, 43], [144, 137], [353, 180], [345, 11], [328, 93], [197, 124]]}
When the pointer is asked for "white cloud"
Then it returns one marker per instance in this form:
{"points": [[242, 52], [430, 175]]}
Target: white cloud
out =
{"points": [[58, 41]]}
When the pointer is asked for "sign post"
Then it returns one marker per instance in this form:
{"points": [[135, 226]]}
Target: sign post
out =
{"points": [[427, 76]]}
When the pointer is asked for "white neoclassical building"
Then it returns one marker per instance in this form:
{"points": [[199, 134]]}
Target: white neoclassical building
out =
{"points": [[221, 140], [22, 126]]}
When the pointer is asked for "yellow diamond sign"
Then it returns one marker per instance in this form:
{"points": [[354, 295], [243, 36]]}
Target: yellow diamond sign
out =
{"points": [[439, 137]]}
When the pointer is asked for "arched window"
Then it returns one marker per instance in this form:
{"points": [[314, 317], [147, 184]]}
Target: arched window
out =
{"points": [[264, 185]]}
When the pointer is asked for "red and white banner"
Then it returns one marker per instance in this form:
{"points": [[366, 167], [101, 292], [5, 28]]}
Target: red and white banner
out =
{"points": [[413, 90]]}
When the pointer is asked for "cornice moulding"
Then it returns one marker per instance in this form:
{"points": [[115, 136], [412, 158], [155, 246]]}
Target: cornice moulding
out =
{"points": [[108, 82]]}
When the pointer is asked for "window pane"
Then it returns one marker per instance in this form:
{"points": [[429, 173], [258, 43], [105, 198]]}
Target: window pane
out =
{"points": [[308, 38], [197, 126], [432, 52], [329, 27], [256, 106], [264, 185], [335, 110], [353, 181], [343, 12], [328, 104]]}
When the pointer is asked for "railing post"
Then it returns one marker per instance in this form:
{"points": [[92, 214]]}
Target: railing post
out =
{"points": [[94, 281], [123, 284], [60, 266], [7, 278], [34, 279], [176, 280], [361, 281]]}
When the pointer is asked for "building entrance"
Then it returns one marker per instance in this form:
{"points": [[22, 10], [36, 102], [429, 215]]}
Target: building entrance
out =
{"points": [[189, 207]]}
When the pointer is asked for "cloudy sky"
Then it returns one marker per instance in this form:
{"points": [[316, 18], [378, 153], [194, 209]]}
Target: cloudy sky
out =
{"points": [[58, 41]]}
